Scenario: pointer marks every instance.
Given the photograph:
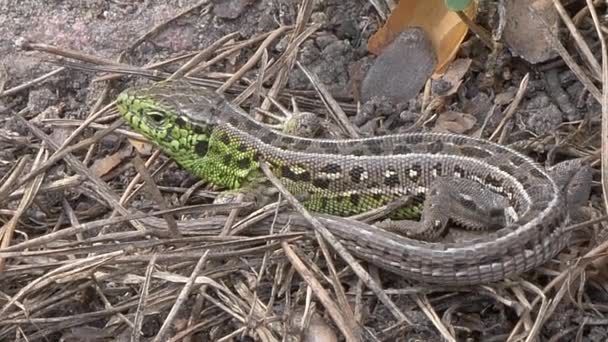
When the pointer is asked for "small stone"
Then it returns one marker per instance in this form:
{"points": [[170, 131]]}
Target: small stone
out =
{"points": [[347, 29], [401, 70], [319, 18], [324, 40], [230, 9], [527, 25]]}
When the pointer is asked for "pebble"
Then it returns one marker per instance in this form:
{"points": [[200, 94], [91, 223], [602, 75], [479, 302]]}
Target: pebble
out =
{"points": [[401, 70]]}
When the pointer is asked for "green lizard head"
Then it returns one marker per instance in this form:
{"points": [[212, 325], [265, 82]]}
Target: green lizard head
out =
{"points": [[173, 116]]}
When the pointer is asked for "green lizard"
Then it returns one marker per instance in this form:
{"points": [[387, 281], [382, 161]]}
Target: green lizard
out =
{"points": [[472, 181]]}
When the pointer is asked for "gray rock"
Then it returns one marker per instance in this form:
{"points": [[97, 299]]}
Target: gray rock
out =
{"points": [[401, 70]]}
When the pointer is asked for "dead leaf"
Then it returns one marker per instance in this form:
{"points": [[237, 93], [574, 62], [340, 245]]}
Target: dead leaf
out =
{"points": [[104, 165], [444, 28], [454, 122], [144, 148], [454, 75]]}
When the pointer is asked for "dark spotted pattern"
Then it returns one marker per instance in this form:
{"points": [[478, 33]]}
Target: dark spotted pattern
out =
{"points": [[355, 198], [374, 146], [301, 145], [268, 137], [227, 159], [472, 151], [244, 163], [355, 173], [332, 150], [459, 171], [438, 167], [287, 140], [326, 144], [224, 138], [180, 122], [331, 168], [199, 130], [296, 177], [321, 183], [492, 181], [242, 147], [201, 148], [402, 149], [391, 180], [416, 175]]}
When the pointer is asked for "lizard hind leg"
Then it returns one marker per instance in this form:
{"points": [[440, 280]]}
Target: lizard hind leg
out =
{"points": [[574, 178], [465, 202]]}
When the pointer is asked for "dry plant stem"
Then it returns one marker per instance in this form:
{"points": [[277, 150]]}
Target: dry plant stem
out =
{"points": [[148, 69], [569, 273], [348, 328], [93, 113], [201, 56], [255, 103], [230, 51], [336, 245], [523, 85], [331, 104], [108, 305], [252, 61], [425, 305], [143, 297], [479, 31], [131, 189], [542, 312], [298, 35], [69, 53], [155, 194], [231, 217], [8, 229], [604, 103], [57, 156], [7, 181], [381, 7], [303, 96], [64, 183], [275, 67], [335, 280], [570, 62], [100, 187], [90, 118], [72, 217], [182, 297], [59, 273], [84, 227], [580, 41], [29, 84]]}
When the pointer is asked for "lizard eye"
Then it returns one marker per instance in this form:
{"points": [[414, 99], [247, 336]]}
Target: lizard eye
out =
{"points": [[156, 117]]}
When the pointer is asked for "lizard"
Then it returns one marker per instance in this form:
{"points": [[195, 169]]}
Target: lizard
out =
{"points": [[448, 176]]}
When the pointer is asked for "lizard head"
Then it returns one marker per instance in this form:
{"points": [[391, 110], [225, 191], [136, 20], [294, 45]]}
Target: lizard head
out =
{"points": [[174, 115]]}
